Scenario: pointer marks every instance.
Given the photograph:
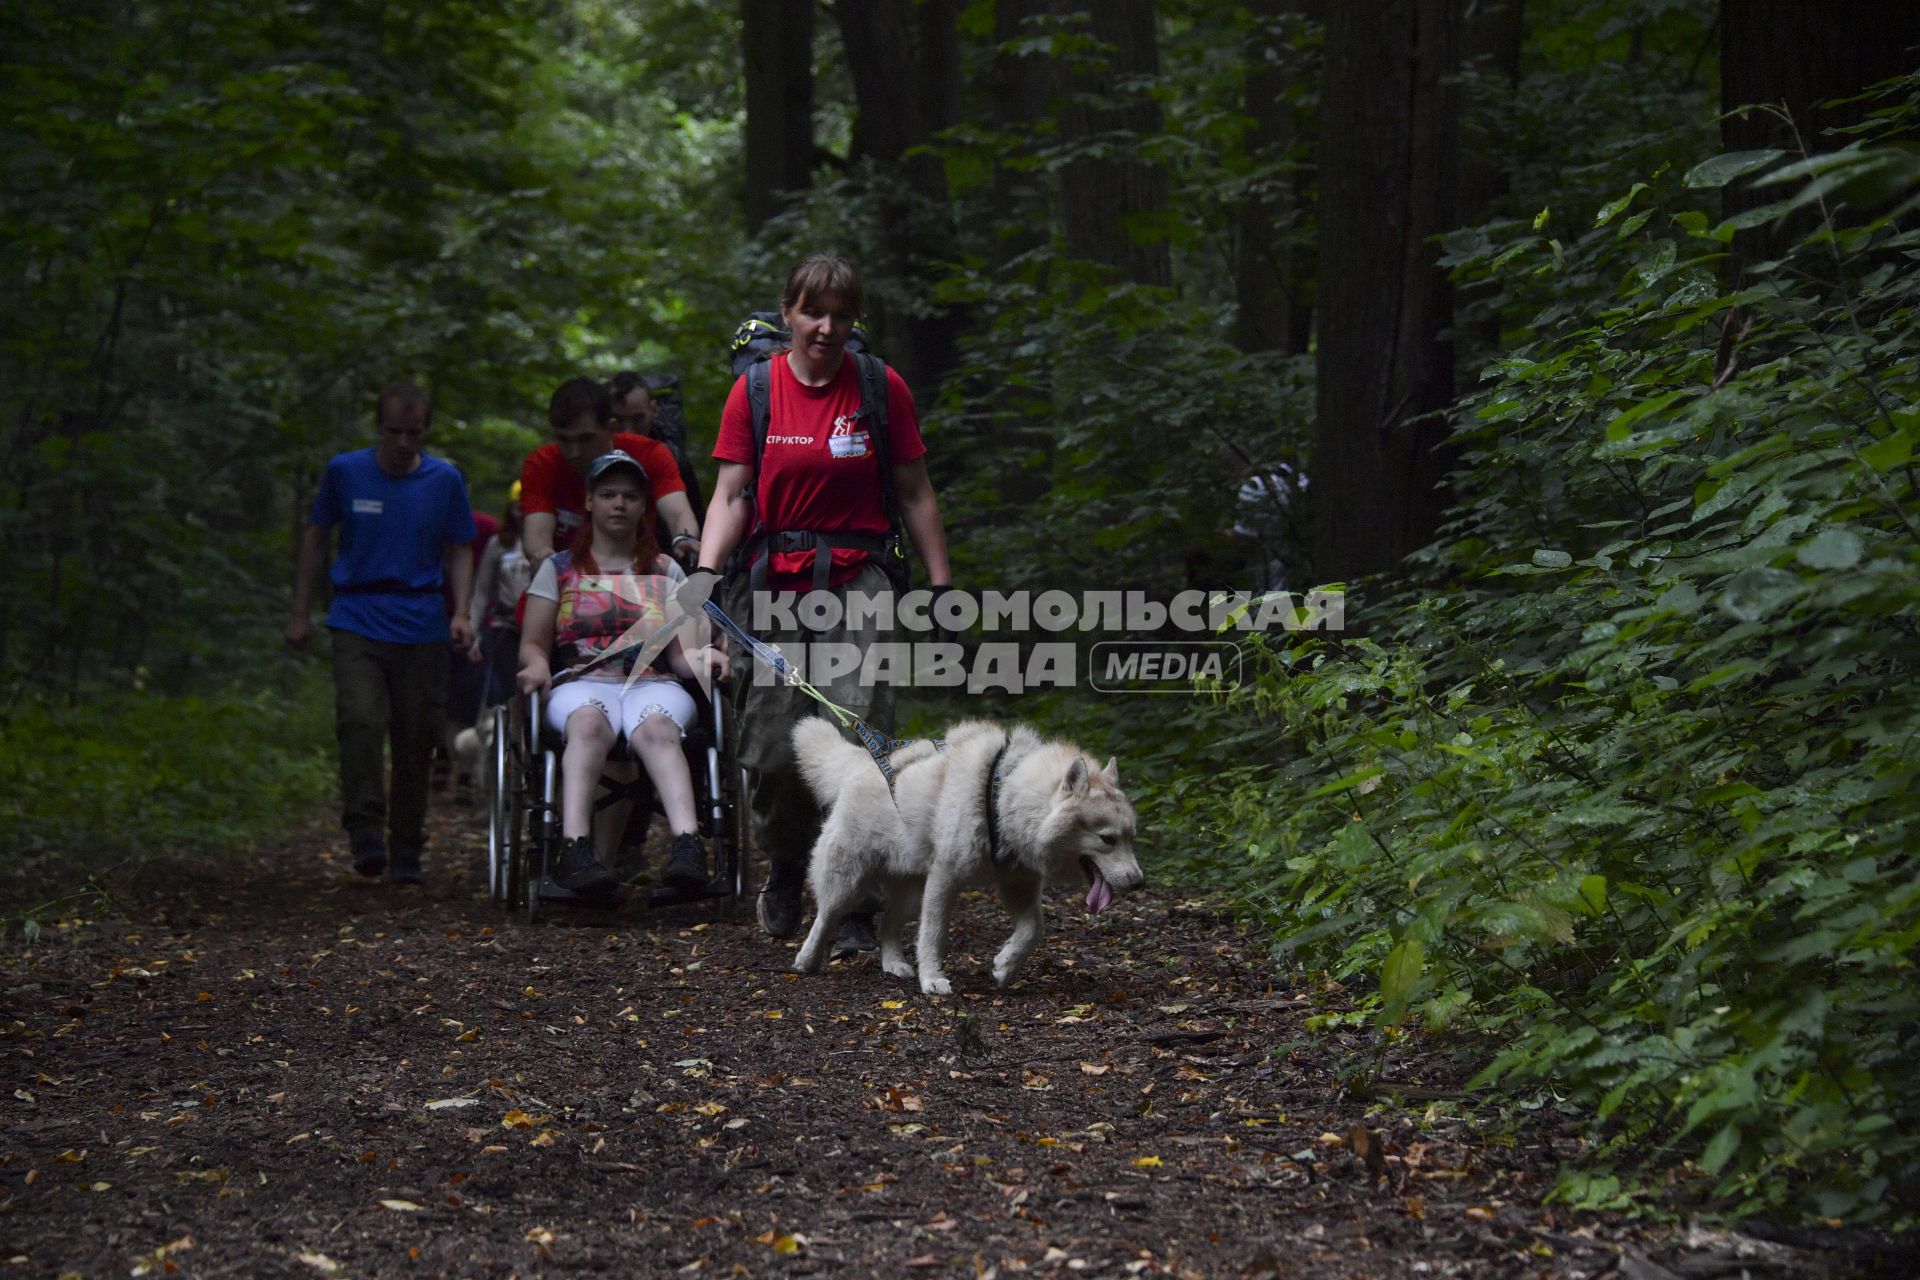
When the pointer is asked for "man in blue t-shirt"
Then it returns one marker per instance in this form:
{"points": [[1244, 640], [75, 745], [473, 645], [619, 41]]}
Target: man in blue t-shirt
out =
{"points": [[404, 528]]}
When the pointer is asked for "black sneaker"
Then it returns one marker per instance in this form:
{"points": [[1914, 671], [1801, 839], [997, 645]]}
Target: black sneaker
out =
{"points": [[686, 867], [779, 906], [582, 873], [406, 868], [855, 935], [370, 856]]}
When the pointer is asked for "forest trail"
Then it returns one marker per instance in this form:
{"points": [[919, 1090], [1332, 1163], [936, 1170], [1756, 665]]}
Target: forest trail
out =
{"points": [[286, 1072]]}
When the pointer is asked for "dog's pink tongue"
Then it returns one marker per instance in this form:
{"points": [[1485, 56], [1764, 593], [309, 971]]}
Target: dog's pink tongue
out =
{"points": [[1099, 894]]}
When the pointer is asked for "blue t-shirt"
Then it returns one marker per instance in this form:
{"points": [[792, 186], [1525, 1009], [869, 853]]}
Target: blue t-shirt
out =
{"points": [[394, 530]]}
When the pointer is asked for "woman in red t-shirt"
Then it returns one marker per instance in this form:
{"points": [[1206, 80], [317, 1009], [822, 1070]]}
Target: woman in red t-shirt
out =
{"points": [[819, 472]]}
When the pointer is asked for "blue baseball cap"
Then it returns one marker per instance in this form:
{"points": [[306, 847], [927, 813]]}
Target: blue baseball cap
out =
{"points": [[615, 458]]}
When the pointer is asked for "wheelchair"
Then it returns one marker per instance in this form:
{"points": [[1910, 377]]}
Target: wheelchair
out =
{"points": [[523, 815]]}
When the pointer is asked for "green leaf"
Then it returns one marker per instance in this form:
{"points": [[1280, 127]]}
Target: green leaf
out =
{"points": [[1615, 208], [1831, 548], [1722, 169], [1758, 592], [1622, 425], [1892, 451], [1347, 783], [1593, 894], [1721, 1149], [1400, 969]]}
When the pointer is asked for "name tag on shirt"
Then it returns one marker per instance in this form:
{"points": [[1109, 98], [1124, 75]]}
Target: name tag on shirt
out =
{"points": [[849, 446], [368, 506]]}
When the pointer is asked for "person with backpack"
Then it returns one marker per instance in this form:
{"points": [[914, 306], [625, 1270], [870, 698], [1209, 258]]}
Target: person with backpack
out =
{"points": [[650, 406], [553, 490], [821, 468]]}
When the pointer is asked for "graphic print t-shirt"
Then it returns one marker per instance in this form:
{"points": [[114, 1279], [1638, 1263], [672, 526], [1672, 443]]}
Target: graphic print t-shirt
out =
{"points": [[820, 470], [598, 611]]}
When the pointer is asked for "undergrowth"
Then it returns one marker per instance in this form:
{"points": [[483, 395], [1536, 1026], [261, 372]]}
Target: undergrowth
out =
{"points": [[1626, 776], [132, 777]]}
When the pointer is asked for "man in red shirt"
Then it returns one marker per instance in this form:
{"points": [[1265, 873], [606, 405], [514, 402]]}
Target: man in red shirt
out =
{"points": [[553, 491]]}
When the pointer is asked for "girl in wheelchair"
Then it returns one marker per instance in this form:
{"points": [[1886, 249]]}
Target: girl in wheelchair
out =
{"points": [[592, 610]]}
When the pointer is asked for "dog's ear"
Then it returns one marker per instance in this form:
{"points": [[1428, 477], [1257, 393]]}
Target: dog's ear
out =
{"points": [[1076, 780], [1112, 772]]}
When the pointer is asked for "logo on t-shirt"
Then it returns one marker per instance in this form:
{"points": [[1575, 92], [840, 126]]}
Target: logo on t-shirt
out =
{"points": [[844, 440], [789, 439], [368, 506]]}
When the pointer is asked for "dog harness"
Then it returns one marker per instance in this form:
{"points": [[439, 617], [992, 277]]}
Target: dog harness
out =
{"points": [[994, 854], [879, 745]]}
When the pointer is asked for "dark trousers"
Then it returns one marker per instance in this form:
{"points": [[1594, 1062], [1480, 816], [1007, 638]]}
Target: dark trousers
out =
{"points": [[386, 693], [785, 819]]}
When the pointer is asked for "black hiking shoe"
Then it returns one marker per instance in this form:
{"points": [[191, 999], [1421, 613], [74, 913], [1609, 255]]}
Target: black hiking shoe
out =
{"points": [[405, 868], [779, 906], [686, 867], [369, 856], [854, 935], [583, 874]]}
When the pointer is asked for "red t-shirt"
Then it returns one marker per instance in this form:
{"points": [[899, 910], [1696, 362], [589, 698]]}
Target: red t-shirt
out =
{"points": [[549, 486], [820, 471]]}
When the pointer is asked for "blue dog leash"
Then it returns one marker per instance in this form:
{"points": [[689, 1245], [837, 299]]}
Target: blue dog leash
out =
{"points": [[879, 745]]}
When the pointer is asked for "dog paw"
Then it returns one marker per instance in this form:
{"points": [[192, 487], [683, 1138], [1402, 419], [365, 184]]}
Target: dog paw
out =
{"points": [[899, 968], [1005, 973], [936, 986]]}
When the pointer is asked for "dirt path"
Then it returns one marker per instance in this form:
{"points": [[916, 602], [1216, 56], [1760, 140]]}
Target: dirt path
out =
{"points": [[304, 1075]]}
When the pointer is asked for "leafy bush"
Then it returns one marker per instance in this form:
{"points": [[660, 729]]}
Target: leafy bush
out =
{"points": [[140, 776], [1627, 778]]}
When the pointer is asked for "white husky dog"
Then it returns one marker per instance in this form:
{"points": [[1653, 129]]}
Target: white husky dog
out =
{"points": [[949, 823]]}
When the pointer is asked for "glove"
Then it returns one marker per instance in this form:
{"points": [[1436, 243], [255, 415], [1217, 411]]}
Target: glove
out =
{"points": [[691, 596]]}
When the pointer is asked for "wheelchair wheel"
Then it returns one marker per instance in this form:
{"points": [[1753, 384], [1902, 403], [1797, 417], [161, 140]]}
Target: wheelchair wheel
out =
{"points": [[500, 812], [513, 866], [544, 834]]}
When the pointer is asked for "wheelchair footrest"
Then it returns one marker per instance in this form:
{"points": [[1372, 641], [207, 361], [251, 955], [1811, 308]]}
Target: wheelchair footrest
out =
{"points": [[551, 890], [662, 896]]}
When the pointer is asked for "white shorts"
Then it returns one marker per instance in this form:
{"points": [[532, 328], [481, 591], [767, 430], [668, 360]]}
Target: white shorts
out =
{"points": [[623, 708]]}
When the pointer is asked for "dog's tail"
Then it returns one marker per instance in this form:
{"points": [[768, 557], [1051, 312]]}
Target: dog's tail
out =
{"points": [[827, 760]]}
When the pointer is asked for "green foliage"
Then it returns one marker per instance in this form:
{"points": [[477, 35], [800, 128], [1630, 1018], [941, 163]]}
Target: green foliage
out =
{"points": [[148, 775], [1624, 775], [228, 224]]}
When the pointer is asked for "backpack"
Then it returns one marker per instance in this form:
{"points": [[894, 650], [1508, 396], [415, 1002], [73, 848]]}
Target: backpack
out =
{"points": [[759, 338], [670, 429]]}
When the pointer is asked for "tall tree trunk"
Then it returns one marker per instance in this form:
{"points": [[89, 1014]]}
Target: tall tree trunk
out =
{"points": [[1799, 54], [905, 84], [1491, 37], [1102, 195], [1020, 92], [1273, 269], [777, 44], [1385, 369]]}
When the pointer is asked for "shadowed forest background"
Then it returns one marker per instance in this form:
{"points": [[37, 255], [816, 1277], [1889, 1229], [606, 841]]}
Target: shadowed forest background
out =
{"points": [[1596, 385]]}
